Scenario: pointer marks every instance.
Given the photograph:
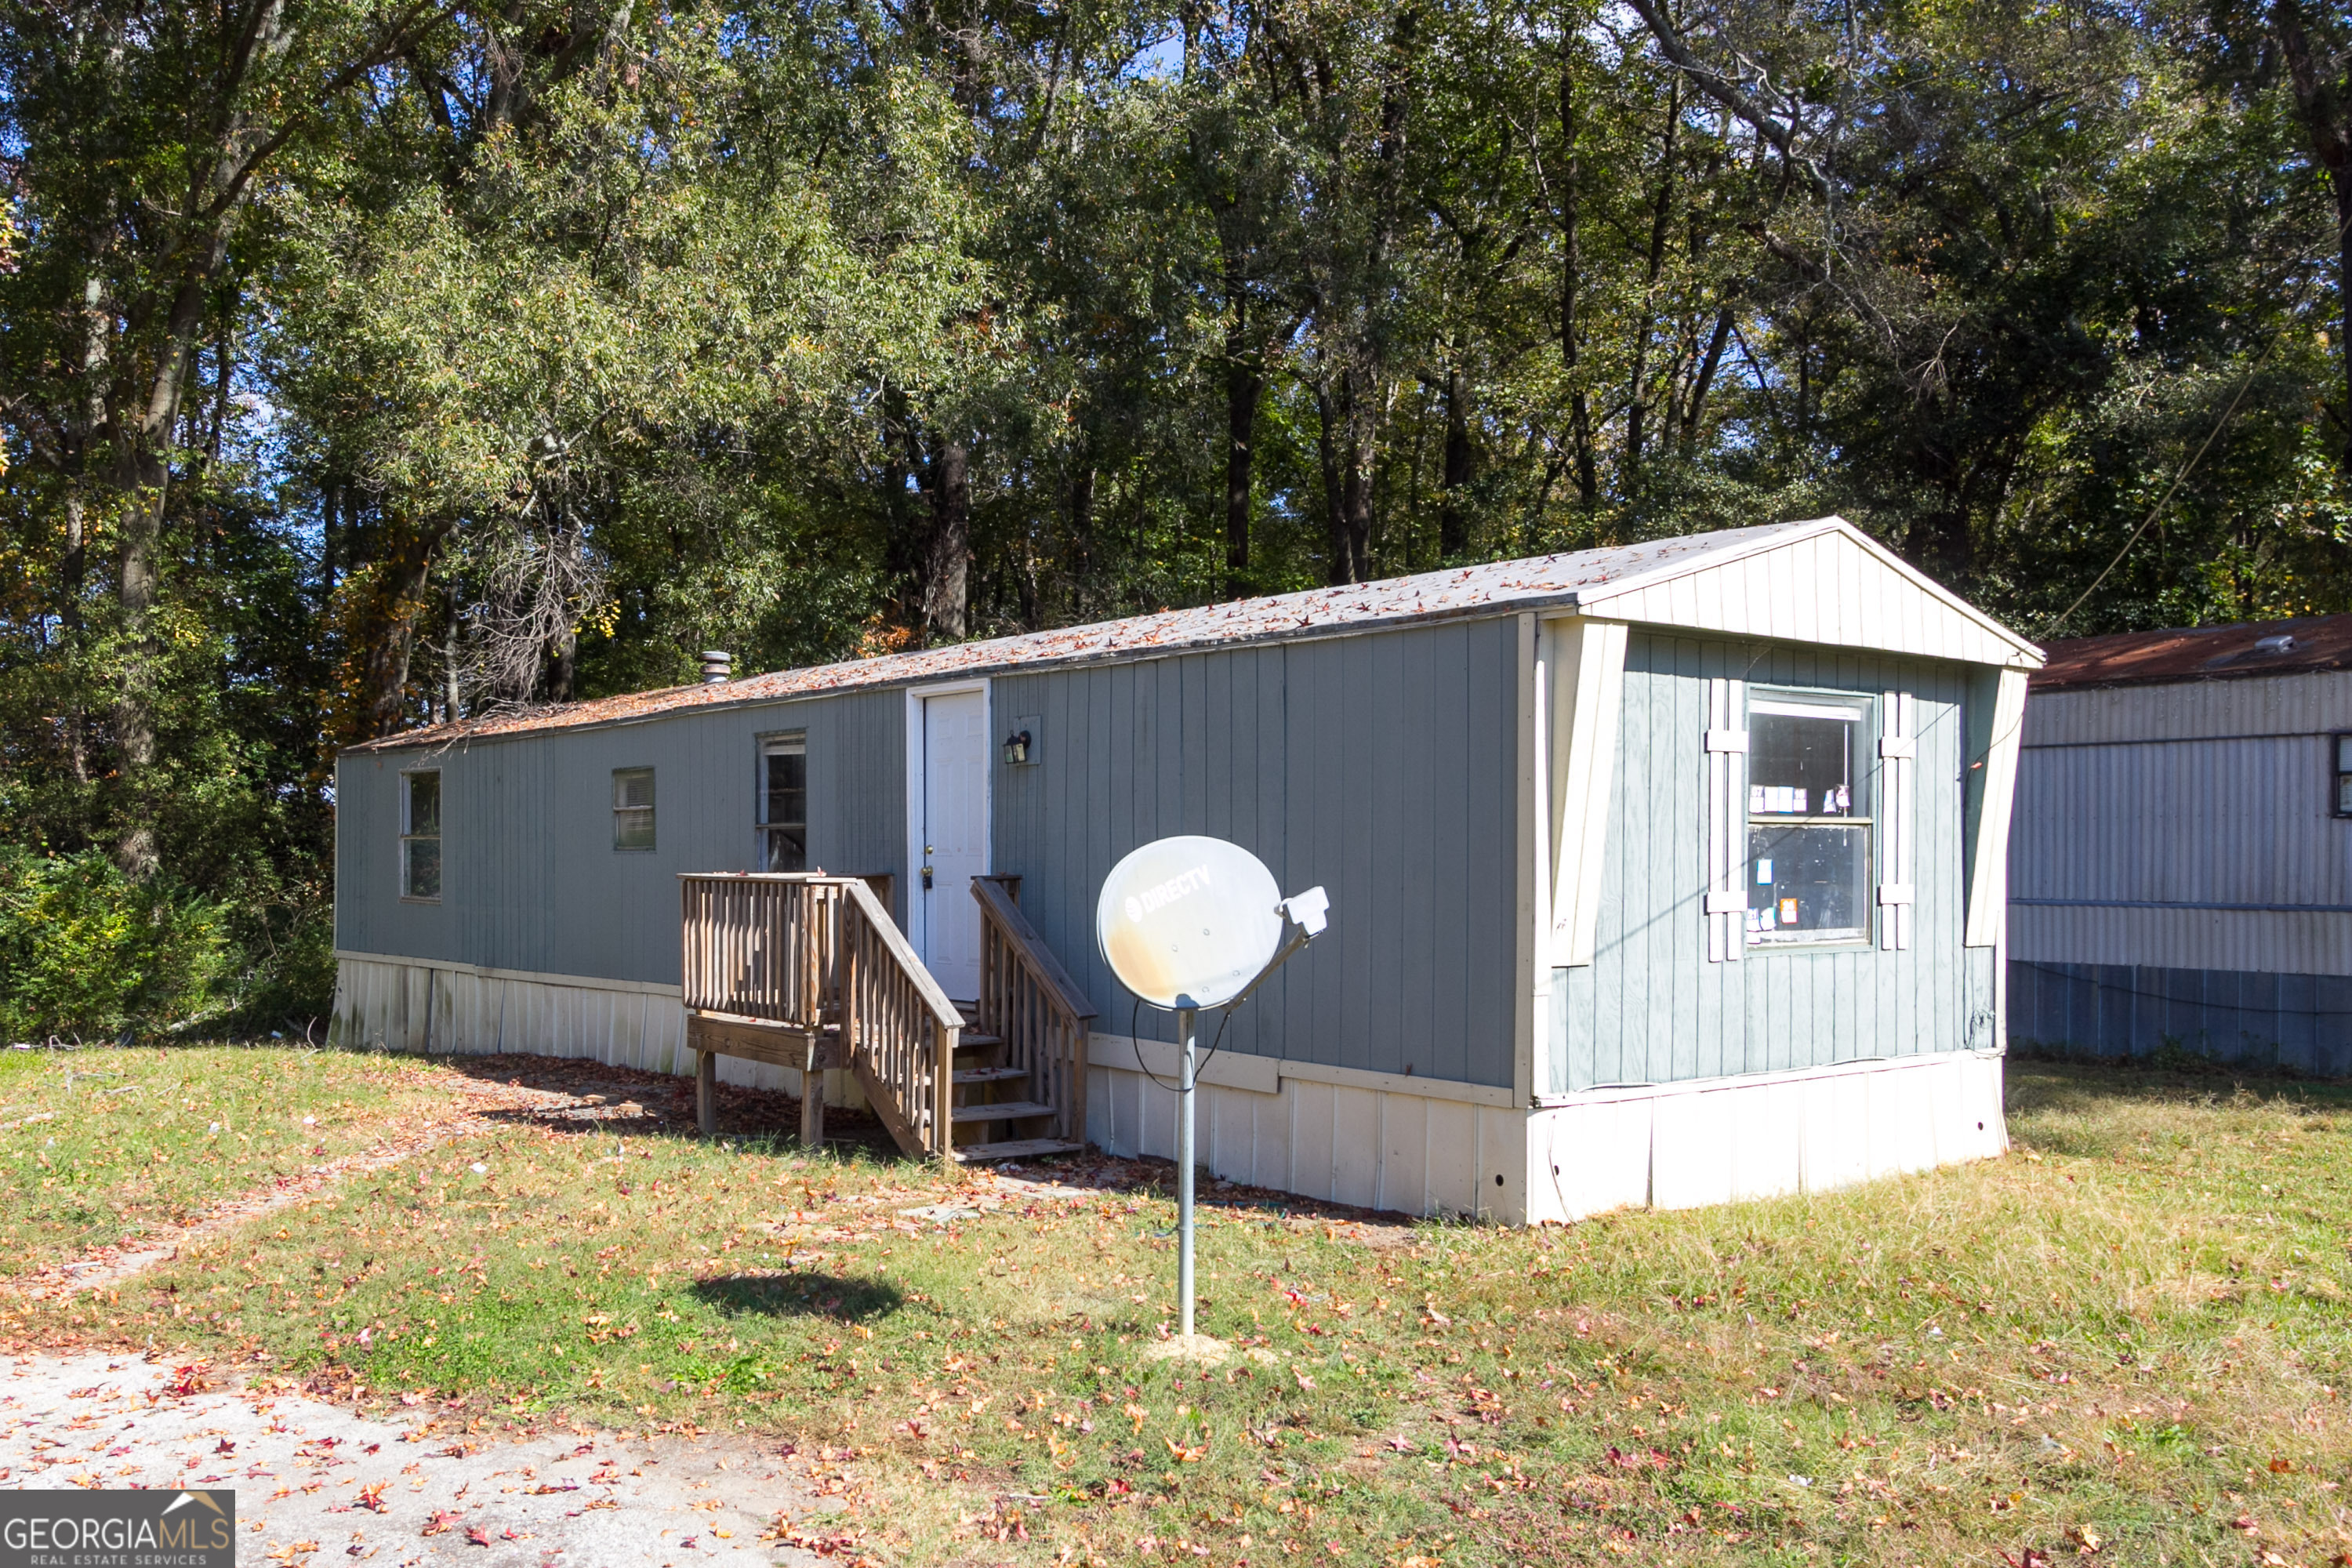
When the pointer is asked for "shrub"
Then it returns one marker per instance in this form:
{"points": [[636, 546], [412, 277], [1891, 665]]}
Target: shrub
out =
{"points": [[86, 953]]}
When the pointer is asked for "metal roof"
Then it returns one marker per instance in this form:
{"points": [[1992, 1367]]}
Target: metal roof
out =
{"points": [[1499, 587], [2200, 653]]}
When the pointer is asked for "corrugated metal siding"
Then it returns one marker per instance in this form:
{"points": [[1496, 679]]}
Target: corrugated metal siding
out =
{"points": [[1380, 766], [1823, 588], [2271, 1020], [2143, 812], [529, 878], [1650, 1008], [2265, 705]]}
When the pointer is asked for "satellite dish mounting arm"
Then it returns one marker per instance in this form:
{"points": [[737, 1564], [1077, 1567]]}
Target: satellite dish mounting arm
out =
{"points": [[1304, 917]]}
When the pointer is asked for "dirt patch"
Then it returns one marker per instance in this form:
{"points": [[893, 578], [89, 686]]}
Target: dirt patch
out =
{"points": [[316, 1477]]}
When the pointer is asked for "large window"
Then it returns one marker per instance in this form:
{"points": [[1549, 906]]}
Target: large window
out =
{"points": [[1808, 823], [783, 801], [420, 834], [2344, 775], [632, 808]]}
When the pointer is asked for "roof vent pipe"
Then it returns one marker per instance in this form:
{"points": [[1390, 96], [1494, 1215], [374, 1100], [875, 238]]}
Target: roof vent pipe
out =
{"points": [[717, 664], [2280, 644]]}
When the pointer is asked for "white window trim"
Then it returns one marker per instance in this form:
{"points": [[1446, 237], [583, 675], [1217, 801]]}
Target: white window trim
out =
{"points": [[768, 743], [1859, 710], [653, 811], [401, 842]]}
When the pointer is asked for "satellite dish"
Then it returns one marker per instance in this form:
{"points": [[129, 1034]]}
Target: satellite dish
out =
{"points": [[1189, 921]]}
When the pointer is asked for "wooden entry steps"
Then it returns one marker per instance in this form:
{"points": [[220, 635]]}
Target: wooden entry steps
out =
{"points": [[810, 972], [978, 1109]]}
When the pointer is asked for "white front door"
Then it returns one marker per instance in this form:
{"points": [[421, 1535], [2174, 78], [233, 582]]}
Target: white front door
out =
{"points": [[954, 824]]}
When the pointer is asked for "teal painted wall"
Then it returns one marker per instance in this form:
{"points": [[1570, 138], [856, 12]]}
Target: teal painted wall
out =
{"points": [[1651, 1008]]}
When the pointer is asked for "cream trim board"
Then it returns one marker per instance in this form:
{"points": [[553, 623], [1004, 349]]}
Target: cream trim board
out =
{"points": [[1613, 1093], [1587, 681], [1989, 877], [1226, 1070], [1529, 879], [1263, 1075], [1641, 586], [535, 977]]}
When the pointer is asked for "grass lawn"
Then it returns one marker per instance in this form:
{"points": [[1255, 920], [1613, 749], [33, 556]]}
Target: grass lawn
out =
{"points": [[2124, 1344], [101, 1147]]}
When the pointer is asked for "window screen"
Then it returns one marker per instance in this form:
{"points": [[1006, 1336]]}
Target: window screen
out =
{"points": [[632, 808], [1807, 822], [783, 801], [2344, 775], [420, 834]]}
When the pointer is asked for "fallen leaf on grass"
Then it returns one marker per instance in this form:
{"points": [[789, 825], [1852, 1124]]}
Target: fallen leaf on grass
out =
{"points": [[1184, 1456]]}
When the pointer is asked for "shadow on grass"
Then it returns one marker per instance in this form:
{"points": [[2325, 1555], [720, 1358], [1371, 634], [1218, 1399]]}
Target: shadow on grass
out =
{"points": [[795, 1294], [2054, 1086], [595, 1098]]}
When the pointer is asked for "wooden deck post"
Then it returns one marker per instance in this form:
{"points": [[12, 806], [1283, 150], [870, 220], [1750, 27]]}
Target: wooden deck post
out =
{"points": [[813, 1100], [705, 1091]]}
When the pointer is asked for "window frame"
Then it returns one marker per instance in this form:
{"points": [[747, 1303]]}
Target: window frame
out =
{"points": [[765, 831], [626, 813], [2339, 775], [409, 835], [1862, 713]]}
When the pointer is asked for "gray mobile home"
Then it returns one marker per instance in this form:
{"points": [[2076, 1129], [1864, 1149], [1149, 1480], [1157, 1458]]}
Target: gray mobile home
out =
{"points": [[1670, 873], [2181, 872]]}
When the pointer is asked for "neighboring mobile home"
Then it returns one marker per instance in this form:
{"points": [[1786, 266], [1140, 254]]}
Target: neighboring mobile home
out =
{"points": [[1671, 873], [2182, 870]]}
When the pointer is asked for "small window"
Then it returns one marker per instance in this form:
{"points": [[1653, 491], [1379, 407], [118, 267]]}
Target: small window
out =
{"points": [[1807, 822], [632, 808], [2344, 775], [420, 834], [783, 801]]}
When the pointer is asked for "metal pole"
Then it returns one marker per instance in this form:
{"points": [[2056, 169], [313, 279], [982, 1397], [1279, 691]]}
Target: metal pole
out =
{"points": [[1184, 1016]]}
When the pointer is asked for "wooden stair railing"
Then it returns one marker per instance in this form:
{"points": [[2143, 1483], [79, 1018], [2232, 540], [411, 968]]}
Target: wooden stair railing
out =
{"points": [[902, 1030], [1038, 1018], [810, 972]]}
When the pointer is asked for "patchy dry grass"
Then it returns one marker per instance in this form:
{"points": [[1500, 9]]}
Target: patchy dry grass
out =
{"points": [[2124, 1344], [100, 1147]]}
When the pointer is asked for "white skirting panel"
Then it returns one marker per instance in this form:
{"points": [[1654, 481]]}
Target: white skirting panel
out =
{"points": [[1725, 1139], [411, 1005], [1372, 1147]]}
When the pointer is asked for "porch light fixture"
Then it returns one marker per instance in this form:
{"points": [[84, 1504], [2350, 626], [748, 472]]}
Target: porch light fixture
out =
{"points": [[1017, 748]]}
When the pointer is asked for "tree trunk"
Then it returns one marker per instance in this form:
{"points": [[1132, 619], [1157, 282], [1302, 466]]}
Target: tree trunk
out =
{"points": [[563, 667], [2323, 101], [1702, 379], [1452, 522], [1347, 488], [141, 476], [1572, 277], [1341, 566], [390, 602], [946, 560], [1637, 394], [1244, 385]]}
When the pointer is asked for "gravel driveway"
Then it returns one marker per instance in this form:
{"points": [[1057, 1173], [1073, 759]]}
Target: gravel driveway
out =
{"points": [[318, 1484]]}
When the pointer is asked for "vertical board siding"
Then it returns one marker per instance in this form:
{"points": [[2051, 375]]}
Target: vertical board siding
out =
{"points": [[530, 880], [1652, 1008], [1826, 589], [1379, 766]]}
